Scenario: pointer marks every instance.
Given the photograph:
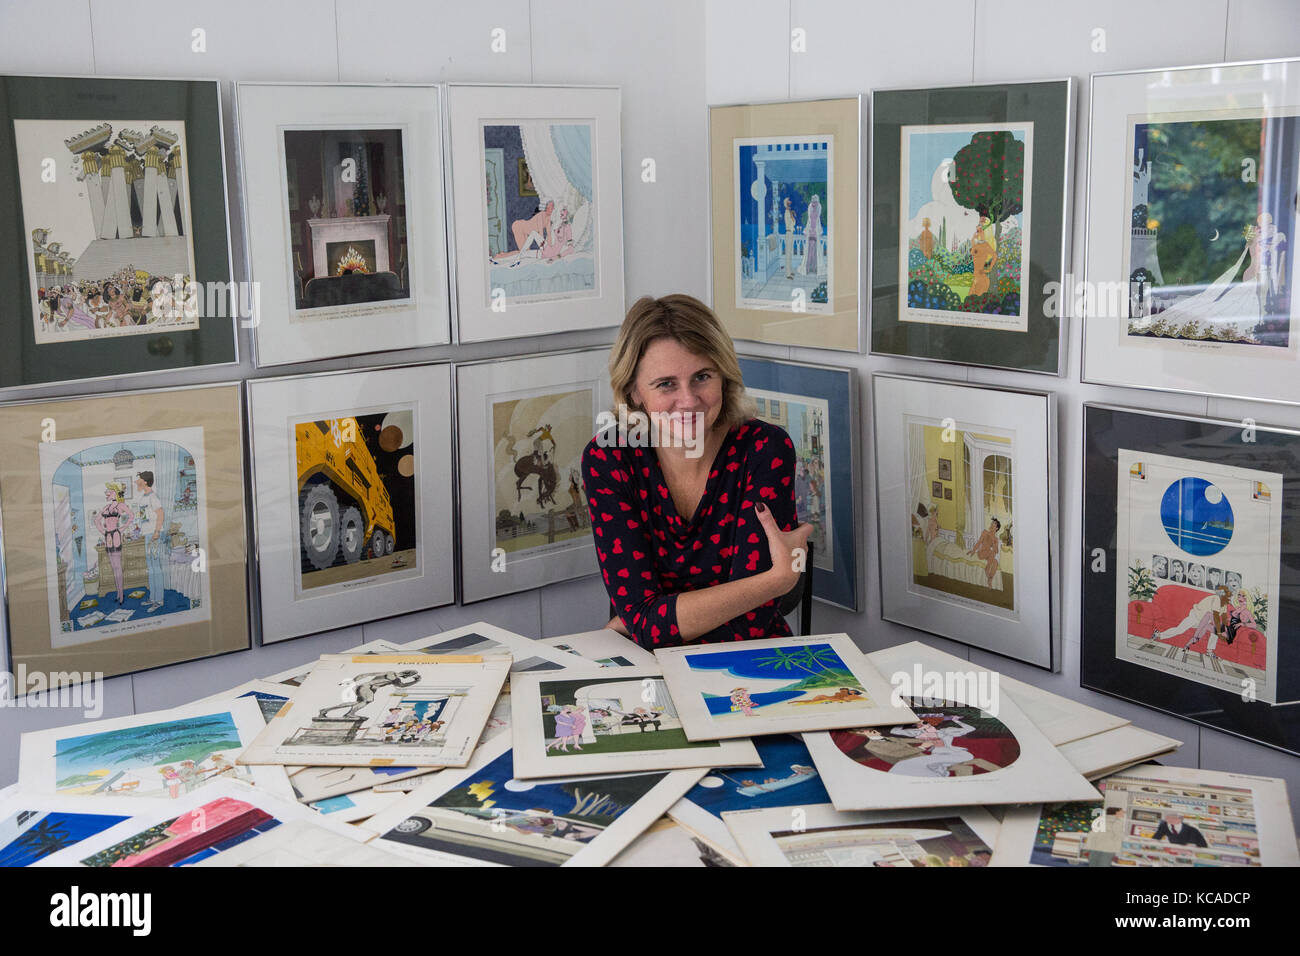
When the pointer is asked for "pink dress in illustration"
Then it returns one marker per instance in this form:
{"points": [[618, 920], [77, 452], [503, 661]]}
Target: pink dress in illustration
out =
{"points": [[740, 700]]}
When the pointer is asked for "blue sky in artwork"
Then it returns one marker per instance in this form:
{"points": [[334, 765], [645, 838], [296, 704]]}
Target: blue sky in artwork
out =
{"points": [[745, 662]]}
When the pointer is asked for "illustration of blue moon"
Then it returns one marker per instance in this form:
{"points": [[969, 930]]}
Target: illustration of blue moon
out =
{"points": [[1197, 516]]}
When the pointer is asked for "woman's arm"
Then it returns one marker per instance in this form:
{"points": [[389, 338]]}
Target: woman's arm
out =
{"points": [[624, 547]]}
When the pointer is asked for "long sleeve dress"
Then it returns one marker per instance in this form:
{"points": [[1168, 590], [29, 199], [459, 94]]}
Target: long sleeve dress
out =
{"points": [[649, 554]]}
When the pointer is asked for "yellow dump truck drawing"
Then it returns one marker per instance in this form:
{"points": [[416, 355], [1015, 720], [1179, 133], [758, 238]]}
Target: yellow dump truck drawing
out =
{"points": [[344, 510]]}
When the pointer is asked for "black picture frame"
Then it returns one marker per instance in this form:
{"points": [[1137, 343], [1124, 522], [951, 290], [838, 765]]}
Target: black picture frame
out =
{"points": [[1049, 105], [197, 103], [1107, 429]]}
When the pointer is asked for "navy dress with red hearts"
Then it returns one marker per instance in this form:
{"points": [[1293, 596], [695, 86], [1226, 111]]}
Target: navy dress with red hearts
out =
{"points": [[649, 553]]}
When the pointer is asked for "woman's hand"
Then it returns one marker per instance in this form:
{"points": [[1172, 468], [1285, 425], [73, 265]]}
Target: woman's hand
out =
{"points": [[782, 546], [616, 624]]}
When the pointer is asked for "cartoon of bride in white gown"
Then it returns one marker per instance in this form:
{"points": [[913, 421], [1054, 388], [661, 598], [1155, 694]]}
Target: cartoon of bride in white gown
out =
{"points": [[939, 743], [1241, 304]]}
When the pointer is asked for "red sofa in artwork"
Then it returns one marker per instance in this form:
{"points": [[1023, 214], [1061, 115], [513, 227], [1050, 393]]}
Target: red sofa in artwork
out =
{"points": [[1171, 605]]}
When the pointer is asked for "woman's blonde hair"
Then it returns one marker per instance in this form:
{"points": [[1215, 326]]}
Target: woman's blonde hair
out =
{"points": [[117, 488], [690, 322]]}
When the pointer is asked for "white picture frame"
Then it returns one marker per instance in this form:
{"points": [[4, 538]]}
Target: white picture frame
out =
{"points": [[285, 329], [1266, 796], [943, 767], [626, 699], [697, 675], [481, 637], [454, 697], [951, 459], [490, 831], [484, 186], [1120, 345], [411, 402], [41, 770], [498, 404], [826, 836]]}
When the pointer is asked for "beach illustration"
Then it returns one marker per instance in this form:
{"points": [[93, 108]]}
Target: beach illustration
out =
{"points": [[776, 681], [165, 760]]}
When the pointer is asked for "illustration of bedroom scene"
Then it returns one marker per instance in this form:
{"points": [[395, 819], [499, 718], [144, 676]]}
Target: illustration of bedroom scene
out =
{"points": [[1188, 604], [783, 221], [347, 216], [540, 208], [962, 510], [111, 567]]}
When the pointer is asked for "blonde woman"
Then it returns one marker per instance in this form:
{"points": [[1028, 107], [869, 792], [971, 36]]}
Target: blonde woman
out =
{"points": [[111, 520], [694, 522]]}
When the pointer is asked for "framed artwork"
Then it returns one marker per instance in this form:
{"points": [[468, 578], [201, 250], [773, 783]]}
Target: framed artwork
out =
{"points": [[1192, 179], [123, 520], [781, 685], [351, 474], [977, 563], [1157, 816], [817, 406], [971, 186], [398, 710], [119, 259], [523, 424], [589, 719], [1167, 493], [787, 778], [957, 753], [157, 756], [537, 198], [784, 202], [484, 816], [345, 219], [829, 837]]}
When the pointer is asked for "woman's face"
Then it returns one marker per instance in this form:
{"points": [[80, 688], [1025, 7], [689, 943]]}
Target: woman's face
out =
{"points": [[671, 380]]}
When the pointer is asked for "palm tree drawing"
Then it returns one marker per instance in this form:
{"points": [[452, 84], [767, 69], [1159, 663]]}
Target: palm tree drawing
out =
{"points": [[38, 841], [814, 660]]}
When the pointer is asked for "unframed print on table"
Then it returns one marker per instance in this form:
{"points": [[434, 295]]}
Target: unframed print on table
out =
{"points": [[783, 685]]}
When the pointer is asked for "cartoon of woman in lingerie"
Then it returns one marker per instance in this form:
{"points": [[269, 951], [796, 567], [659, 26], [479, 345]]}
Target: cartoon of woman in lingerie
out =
{"points": [[110, 521]]}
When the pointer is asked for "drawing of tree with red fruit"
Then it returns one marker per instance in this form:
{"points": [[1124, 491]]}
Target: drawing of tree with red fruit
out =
{"points": [[989, 177]]}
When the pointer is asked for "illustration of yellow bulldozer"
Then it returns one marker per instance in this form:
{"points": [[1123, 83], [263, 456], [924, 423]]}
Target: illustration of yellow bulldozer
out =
{"points": [[344, 509]]}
